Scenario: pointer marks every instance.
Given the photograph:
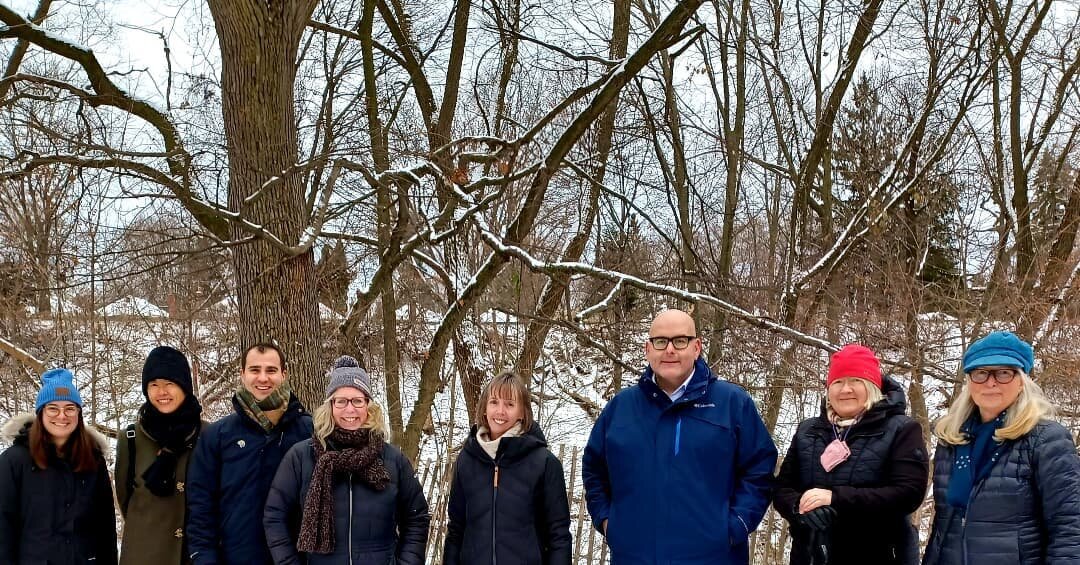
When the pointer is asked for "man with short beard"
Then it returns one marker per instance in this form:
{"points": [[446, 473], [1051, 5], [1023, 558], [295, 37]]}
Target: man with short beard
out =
{"points": [[236, 459], [678, 468]]}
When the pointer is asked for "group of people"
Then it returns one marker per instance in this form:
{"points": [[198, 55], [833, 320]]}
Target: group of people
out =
{"points": [[678, 470]]}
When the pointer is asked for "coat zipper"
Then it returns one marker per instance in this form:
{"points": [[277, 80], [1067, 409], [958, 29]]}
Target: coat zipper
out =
{"points": [[494, 500], [350, 517]]}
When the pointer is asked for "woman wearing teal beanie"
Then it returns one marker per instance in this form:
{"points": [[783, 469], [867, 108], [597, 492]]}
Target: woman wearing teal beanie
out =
{"points": [[1006, 476], [56, 499]]}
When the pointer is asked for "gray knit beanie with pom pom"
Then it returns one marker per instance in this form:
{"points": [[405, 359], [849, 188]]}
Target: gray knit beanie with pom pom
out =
{"points": [[347, 372]]}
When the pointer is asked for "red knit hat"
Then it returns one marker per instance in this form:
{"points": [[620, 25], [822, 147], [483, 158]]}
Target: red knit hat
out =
{"points": [[854, 360]]}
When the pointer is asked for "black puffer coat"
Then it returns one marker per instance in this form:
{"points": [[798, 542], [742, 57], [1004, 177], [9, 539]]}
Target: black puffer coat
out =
{"points": [[522, 518], [53, 515], [1026, 512], [873, 492], [371, 527]]}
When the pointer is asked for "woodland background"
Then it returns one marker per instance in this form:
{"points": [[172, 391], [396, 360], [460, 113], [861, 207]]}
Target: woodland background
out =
{"points": [[450, 188]]}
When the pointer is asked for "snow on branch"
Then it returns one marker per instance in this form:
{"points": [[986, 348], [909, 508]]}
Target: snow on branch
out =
{"points": [[538, 265], [107, 93], [603, 304], [22, 356]]}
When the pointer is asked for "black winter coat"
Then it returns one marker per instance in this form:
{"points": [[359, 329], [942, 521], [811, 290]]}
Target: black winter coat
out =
{"points": [[1026, 512], [873, 492], [371, 527], [53, 516], [228, 479], [511, 510]]}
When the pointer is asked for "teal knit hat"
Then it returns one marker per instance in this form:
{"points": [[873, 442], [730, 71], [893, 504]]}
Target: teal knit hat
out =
{"points": [[57, 385]]}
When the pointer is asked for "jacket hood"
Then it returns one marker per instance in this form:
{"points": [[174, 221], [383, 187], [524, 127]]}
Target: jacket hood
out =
{"points": [[510, 448], [894, 403], [17, 430]]}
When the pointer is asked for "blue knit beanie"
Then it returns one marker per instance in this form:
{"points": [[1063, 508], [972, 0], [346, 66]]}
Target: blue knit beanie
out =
{"points": [[57, 385], [999, 348]]}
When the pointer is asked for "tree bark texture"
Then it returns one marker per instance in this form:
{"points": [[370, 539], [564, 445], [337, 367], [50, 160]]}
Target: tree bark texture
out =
{"points": [[276, 292]]}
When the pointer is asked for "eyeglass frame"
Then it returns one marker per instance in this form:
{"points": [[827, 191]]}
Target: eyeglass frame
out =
{"points": [[1013, 372], [70, 410], [344, 401], [671, 340]]}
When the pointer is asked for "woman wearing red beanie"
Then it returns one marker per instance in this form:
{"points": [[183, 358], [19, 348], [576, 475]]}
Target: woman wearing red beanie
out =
{"points": [[855, 473]]}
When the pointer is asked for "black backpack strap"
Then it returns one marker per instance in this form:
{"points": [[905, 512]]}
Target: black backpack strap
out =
{"points": [[130, 433]]}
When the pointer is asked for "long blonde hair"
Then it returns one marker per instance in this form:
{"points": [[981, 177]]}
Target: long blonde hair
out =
{"points": [[323, 420], [1025, 412]]}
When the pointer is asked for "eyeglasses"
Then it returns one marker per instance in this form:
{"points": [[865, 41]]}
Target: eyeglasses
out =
{"points": [[54, 411], [1003, 376], [357, 402], [679, 341]]}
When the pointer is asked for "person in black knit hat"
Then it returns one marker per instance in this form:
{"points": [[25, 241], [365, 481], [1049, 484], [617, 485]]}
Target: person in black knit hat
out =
{"points": [[151, 462]]}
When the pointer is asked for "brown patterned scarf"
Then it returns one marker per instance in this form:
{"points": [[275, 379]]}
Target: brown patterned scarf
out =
{"points": [[356, 452]]}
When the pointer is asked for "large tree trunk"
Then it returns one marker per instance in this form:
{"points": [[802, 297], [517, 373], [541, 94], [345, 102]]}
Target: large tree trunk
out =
{"points": [[276, 291]]}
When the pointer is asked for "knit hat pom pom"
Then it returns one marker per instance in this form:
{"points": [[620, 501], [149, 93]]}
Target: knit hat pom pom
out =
{"points": [[346, 361]]}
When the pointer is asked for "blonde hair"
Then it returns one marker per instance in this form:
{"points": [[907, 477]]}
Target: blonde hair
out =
{"points": [[323, 420], [1024, 413], [506, 385], [873, 396]]}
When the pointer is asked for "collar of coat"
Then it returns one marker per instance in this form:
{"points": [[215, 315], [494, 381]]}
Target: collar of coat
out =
{"points": [[695, 389]]}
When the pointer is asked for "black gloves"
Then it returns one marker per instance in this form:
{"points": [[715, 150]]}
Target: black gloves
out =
{"points": [[819, 519]]}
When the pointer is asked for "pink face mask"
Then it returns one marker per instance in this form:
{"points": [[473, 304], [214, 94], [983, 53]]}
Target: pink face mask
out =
{"points": [[835, 453]]}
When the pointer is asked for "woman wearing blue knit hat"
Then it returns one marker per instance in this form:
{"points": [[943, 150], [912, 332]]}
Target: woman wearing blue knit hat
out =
{"points": [[1006, 477], [56, 500]]}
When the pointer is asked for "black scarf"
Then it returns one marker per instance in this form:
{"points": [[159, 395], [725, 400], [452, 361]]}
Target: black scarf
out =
{"points": [[175, 434]]}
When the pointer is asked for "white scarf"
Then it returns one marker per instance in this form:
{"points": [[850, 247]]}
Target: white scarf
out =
{"points": [[491, 446]]}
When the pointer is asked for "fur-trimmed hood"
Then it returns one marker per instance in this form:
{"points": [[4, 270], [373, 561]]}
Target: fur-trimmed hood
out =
{"points": [[19, 427]]}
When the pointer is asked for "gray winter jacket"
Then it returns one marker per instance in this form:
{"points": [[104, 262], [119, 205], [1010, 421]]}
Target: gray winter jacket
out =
{"points": [[1026, 512]]}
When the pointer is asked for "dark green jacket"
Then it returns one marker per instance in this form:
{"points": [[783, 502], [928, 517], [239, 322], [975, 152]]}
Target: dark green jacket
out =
{"points": [[153, 525]]}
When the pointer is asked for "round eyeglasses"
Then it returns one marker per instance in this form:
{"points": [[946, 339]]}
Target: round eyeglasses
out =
{"points": [[70, 410], [1003, 376], [357, 402]]}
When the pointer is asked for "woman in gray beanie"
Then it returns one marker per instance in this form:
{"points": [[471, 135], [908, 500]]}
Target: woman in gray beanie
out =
{"points": [[363, 503]]}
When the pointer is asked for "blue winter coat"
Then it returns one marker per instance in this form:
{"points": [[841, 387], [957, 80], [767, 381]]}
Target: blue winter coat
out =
{"points": [[679, 483], [228, 480], [1026, 512], [371, 527]]}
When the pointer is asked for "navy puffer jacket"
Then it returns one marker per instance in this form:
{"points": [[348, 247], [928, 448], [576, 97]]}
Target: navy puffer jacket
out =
{"points": [[524, 519], [873, 492], [228, 480], [371, 527], [1026, 512]]}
